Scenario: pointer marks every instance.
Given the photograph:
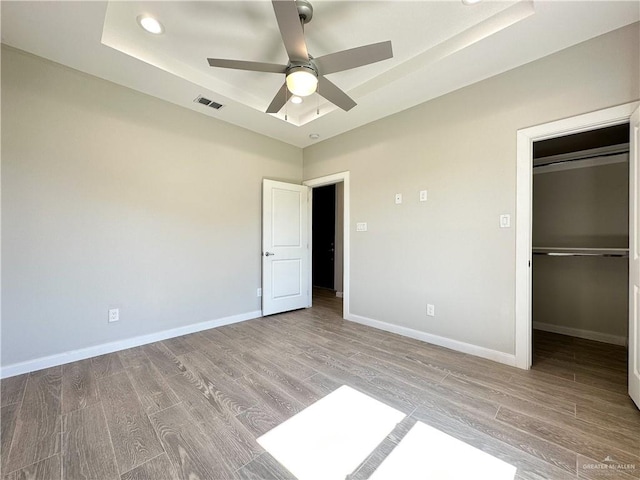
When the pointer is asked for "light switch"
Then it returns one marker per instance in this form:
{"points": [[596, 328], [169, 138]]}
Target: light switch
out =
{"points": [[505, 221], [398, 198], [423, 195], [361, 227]]}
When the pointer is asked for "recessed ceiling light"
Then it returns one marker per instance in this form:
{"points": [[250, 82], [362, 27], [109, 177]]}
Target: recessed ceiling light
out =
{"points": [[314, 136], [150, 24], [296, 99], [471, 2]]}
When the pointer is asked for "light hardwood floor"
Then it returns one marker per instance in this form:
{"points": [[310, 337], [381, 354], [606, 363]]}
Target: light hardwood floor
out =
{"points": [[192, 407]]}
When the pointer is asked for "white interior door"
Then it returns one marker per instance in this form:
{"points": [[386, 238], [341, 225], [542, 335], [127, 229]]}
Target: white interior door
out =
{"points": [[634, 258], [285, 247]]}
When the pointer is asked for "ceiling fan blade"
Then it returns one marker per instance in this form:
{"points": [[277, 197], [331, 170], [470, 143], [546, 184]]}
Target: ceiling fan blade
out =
{"points": [[354, 57], [291, 30], [279, 100], [244, 65], [336, 96]]}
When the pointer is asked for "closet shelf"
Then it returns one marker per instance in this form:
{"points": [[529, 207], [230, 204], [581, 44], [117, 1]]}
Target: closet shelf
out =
{"points": [[581, 252]]}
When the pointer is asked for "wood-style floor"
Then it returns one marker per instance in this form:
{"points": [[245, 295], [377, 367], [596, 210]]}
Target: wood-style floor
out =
{"points": [[192, 407]]}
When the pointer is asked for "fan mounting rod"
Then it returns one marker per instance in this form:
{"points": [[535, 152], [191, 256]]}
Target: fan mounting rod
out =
{"points": [[305, 11]]}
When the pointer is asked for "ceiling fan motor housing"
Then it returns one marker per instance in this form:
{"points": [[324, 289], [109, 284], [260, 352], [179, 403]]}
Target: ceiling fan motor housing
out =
{"points": [[305, 66]]}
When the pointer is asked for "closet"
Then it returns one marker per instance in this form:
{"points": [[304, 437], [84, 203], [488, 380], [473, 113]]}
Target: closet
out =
{"points": [[581, 237]]}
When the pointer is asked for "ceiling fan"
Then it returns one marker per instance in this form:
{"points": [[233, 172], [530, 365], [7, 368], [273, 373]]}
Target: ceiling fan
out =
{"points": [[304, 74]]}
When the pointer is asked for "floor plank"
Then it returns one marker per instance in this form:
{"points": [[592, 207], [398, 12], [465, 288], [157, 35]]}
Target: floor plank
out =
{"points": [[12, 389], [133, 357], [38, 426], [106, 365], [263, 467], [273, 373], [79, 387], [152, 389], [47, 469], [228, 364], [134, 440], [271, 397], [178, 345], [222, 393], [87, 451], [8, 418], [163, 359], [189, 450], [158, 468], [217, 420]]}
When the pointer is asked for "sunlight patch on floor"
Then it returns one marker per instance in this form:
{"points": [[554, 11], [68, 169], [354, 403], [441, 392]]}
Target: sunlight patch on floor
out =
{"points": [[329, 439], [428, 453]]}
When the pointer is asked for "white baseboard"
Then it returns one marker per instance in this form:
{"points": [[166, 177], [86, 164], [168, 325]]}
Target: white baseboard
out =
{"points": [[340, 294], [586, 334], [496, 356], [75, 355]]}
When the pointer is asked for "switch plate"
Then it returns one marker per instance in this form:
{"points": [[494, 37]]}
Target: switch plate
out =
{"points": [[505, 221], [431, 310], [398, 198], [114, 315], [423, 195], [361, 227], [259, 292]]}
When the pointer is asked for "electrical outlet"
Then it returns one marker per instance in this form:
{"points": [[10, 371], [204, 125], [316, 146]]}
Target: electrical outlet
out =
{"points": [[259, 292], [431, 310], [423, 195], [114, 315]]}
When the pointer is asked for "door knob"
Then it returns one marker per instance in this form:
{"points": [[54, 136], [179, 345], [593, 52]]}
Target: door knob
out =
{"points": [[268, 254]]}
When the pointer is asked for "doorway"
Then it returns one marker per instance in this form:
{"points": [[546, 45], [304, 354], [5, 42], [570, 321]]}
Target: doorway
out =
{"points": [[524, 173], [327, 246], [580, 256], [329, 233], [323, 257]]}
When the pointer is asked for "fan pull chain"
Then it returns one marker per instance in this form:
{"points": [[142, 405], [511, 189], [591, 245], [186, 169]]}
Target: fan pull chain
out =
{"points": [[286, 106], [318, 101]]}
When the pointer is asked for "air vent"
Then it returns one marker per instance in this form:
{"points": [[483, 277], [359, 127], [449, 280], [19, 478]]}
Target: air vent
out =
{"points": [[208, 103]]}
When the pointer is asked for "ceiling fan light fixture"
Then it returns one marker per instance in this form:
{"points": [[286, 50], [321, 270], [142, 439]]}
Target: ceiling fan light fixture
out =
{"points": [[150, 24], [471, 2], [302, 81], [296, 99]]}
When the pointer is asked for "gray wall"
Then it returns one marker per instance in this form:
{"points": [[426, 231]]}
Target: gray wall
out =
{"points": [[450, 251], [582, 293], [583, 207], [111, 198]]}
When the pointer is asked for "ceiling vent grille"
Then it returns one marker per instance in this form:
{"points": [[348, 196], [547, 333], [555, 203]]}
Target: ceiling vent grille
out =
{"points": [[208, 103]]}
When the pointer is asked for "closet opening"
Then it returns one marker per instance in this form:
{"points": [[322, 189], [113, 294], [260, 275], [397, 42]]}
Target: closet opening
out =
{"points": [[580, 257]]}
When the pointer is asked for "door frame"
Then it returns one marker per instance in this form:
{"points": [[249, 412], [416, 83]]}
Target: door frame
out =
{"points": [[341, 177], [524, 205]]}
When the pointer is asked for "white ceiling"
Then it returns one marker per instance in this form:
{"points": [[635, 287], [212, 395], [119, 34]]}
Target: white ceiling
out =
{"points": [[439, 46]]}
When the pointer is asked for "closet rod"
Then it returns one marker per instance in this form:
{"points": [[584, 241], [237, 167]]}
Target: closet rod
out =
{"points": [[586, 157], [582, 254]]}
